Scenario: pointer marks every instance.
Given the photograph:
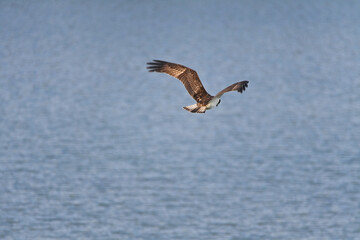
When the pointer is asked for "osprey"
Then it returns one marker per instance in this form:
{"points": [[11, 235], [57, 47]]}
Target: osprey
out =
{"points": [[193, 85]]}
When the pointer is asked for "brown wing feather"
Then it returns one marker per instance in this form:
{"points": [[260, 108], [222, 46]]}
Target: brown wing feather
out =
{"points": [[186, 75], [239, 86]]}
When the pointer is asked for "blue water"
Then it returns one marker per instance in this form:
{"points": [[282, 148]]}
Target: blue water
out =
{"points": [[92, 146]]}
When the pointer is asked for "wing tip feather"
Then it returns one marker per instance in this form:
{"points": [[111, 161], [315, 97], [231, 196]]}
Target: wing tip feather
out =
{"points": [[244, 85], [155, 65]]}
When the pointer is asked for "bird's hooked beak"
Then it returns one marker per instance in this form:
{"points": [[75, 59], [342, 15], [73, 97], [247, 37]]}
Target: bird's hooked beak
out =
{"points": [[218, 102]]}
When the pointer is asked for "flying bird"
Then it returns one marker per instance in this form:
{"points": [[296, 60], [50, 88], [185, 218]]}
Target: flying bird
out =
{"points": [[193, 85]]}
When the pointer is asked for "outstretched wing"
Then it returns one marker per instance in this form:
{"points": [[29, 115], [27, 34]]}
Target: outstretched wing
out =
{"points": [[239, 86], [186, 75]]}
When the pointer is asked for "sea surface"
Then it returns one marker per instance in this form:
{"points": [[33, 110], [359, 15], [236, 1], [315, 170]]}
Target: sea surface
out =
{"points": [[92, 146]]}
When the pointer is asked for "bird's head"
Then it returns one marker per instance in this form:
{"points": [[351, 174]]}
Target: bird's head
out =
{"points": [[218, 102]]}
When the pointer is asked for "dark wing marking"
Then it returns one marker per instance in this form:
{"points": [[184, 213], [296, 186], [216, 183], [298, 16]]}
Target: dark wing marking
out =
{"points": [[186, 75], [239, 86]]}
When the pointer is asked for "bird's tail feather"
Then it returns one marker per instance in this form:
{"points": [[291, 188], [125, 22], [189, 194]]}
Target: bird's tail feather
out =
{"points": [[195, 108]]}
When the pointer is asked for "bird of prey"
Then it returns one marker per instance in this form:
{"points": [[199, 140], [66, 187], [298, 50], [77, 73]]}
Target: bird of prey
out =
{"points": [[193, 85]]}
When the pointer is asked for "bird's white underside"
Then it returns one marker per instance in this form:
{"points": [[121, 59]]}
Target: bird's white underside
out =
{"points": [[213, 102]]}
